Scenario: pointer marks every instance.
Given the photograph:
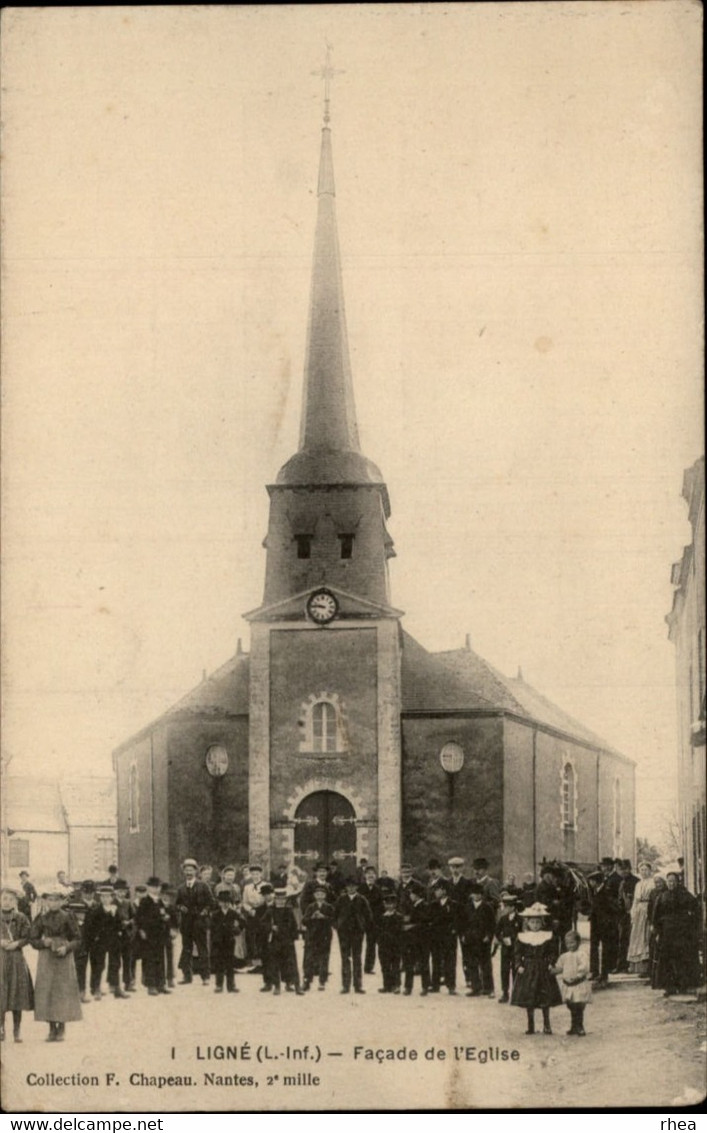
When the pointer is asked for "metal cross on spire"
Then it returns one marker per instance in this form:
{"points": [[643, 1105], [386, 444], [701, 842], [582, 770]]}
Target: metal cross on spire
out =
{"points": [[327, 72]]}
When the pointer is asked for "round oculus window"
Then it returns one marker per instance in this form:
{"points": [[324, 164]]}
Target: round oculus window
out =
{"points": [[452, 757], [217, 760]]}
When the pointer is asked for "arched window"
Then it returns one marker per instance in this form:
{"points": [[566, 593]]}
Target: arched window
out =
{"points": [[618, 847], [322, 725], [133, 800], [569, 797]]}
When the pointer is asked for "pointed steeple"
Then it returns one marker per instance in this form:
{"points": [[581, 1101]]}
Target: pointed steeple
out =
{"points": [[329, 447]]}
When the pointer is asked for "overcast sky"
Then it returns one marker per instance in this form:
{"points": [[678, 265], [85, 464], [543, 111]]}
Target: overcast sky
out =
{"points": [[519, 201]]}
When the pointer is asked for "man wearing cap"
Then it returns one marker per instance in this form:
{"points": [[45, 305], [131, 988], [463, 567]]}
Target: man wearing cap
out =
{"points": [[415, 939], [374, 896], [252, 901], [321, 876], [80, 906], [352, 917], [459, 889], [152, 920], [194, 903], [390, 943], [126, 908], [318, 922], [443, 928]]}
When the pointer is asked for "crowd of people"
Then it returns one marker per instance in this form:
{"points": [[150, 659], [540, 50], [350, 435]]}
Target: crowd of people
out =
{"points": [[92, 937]]}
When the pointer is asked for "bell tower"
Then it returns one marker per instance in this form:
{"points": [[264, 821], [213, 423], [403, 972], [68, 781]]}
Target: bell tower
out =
{"points": [[325, 663]]}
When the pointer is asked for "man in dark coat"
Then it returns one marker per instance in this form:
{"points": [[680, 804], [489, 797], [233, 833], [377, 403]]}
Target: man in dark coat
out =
{"points": [[127, 949], [80, 907], [416, 939], [603, 923], [194, 904], [104, 933], [352, 918], [406, 887], [374, 895], [478, 927], [152, 921], [318, 922], [390, 933], [459, 889], [434, 877], [627, 887], [490, 886], [281, 965], [226, 925], [443, 928], [27, 896], [508, 926], [321, 875]]}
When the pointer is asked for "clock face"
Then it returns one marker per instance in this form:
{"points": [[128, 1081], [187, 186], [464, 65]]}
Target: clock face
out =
{"points": [[322, 606], [217, 760]]}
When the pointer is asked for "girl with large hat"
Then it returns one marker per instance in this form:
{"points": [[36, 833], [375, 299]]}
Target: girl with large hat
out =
{"points": [[535, 955]]}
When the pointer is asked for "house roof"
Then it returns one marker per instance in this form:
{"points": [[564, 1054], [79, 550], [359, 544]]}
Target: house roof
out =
{"points": [[89, 801], [460, 680], [33, 804]]}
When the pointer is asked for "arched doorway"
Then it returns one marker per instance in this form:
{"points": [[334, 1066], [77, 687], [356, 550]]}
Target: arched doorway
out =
{"points": [[325, 829]]}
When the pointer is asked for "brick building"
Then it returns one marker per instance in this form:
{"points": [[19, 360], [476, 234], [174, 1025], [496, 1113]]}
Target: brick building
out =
{"points": [[338, 735]]}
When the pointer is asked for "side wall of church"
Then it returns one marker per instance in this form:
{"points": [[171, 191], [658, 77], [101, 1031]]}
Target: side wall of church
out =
{"points": [[209, 813], [589, 802], [143, 807], [459, 813]]}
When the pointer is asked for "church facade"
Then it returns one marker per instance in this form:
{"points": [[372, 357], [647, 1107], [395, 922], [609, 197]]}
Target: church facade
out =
{"points": [[338, 736]]}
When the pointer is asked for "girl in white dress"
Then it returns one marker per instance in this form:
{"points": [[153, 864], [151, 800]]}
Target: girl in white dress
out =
{"points": [[572, 968]]}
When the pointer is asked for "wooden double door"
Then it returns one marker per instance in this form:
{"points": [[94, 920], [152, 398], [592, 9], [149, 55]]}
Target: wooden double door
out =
{"points": [[325, 830]]}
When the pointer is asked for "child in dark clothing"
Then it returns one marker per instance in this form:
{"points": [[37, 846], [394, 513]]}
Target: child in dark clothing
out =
{"points": [[226, 925]]}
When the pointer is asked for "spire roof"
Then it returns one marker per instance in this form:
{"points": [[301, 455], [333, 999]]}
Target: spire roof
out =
{"points": [[329, 447]]}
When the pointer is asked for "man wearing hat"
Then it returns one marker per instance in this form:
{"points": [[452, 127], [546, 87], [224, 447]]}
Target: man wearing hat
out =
{"points": [[126, 908], [434, 877], [104, 938], [603, 924], [443, 927], [194, 903], [226, 925], [27, 896], [374, 896], [390, 937], [321, 875], [152, 920], [260, 924], [352, 917], [627, 888], [415, 939], [281, 955], [478, 924], [508, 926], [490, 887], [318, 923]]}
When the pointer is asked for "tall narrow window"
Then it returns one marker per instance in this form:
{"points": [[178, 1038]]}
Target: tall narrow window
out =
{"points": [[618, 848], [568, 796], [304, 546], [133, 800], [346, 543], [324, 726]]}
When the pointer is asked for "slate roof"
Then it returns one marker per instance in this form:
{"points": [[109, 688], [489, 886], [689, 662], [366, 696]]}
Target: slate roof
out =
{"points": [[460, 680], [33, 804], [89, 801]]}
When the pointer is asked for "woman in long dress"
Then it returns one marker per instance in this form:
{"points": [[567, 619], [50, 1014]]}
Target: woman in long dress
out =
{"points": [[535, 955], [55, 935], [639, 943], [16, 992], [676, 922]]}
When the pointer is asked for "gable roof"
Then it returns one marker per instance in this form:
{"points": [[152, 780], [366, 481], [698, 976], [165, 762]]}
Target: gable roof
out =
{"points": [[460, 680], [89, 801], [225, 692], [33, 804]]}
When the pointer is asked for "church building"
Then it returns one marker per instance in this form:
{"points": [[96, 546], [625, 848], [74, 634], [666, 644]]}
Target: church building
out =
{"points": [[338, 736]]}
